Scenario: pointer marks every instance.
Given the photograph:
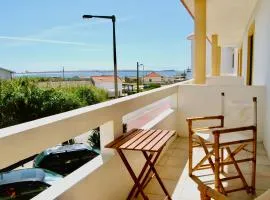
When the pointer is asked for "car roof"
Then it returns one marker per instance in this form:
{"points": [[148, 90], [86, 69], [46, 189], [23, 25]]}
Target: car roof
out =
{"points": [[66, 148], [22, 175]]}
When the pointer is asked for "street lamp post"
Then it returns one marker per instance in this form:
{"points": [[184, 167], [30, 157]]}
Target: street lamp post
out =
{"points": [[113, 18]]}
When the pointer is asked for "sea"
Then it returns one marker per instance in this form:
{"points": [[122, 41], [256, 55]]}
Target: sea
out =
{"points": [[86, 74]]}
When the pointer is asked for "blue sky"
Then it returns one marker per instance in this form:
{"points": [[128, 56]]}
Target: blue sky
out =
{"points": [[47, 35]]}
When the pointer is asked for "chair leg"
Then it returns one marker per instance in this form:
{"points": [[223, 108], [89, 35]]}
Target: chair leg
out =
{"points": [[222, 159], [217, 162], [253, 181], [190, 154], [213, 166]]}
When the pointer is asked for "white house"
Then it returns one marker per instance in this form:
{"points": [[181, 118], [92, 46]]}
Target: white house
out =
{"points": [[107, 83], [153, 77], [5, 73]]}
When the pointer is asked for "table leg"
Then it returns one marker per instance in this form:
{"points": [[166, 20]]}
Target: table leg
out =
{"points": [[155, 172], [149, 170], [139, 179], [137, 183]]}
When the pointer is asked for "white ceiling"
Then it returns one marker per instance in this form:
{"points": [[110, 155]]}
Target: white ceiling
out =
{"points": [[227, 18]]}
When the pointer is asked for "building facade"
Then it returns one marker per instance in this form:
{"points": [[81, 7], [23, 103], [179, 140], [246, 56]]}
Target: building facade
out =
{"points": [[153, 77], [5, 73], [107, 83]]}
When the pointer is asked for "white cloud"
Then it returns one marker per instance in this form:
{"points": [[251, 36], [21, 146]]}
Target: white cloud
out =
{"points": [[37, 40]]}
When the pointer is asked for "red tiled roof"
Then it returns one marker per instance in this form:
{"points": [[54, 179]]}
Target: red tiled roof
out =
{"points": [[104, 79], [153, 74]]}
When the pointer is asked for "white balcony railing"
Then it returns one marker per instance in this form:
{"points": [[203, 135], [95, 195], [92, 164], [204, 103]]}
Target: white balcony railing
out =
{"points": [[105, 176]]}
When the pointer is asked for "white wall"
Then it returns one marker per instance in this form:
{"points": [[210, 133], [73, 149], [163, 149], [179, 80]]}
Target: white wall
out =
{"points": [[5, 74], [109, 86], [261, 71], [226, 61], [225, 80], [234, 71], [153, 80], [109, 180], [208, 58], [202, 100]]}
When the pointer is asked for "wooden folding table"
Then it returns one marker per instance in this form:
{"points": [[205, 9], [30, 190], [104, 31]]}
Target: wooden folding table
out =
{"points": [[150, 143]]}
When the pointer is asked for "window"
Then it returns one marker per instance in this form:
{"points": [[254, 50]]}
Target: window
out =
{"points": [[250, 55]]}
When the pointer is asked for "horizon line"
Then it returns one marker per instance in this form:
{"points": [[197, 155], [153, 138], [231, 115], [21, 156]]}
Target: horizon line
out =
{"points": [[98, 70]]}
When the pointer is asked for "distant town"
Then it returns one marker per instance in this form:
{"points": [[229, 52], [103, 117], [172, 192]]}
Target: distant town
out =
{"points": [[129, 81]]}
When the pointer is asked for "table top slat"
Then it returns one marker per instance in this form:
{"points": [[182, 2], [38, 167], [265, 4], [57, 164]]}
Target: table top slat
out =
{"points": [[123, 137], [141, 139], [163, 141], [155, 140], [137, 137], [148, 140]]}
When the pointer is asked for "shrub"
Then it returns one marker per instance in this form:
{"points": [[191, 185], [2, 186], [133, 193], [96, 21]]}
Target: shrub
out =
{"points": [[94, 139], [21, 100]]}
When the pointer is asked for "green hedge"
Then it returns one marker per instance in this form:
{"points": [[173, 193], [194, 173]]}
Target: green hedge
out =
{"points": [[21, 100]]}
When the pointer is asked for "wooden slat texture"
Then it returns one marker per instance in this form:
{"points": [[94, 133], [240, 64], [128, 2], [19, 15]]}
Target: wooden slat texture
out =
{"points": [[155, 140], [140, 140], [148, 140], [127, 138], [163, 141], [122, 137]]}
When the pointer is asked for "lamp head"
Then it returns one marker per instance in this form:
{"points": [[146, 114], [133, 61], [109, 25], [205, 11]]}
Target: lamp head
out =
{"points": [[87, 16]]}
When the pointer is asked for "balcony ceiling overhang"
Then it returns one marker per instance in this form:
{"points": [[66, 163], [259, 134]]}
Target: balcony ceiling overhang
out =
{"points": [[227, 18]]}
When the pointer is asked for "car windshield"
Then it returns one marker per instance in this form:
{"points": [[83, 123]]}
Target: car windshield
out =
{"points": [[66, 162]]}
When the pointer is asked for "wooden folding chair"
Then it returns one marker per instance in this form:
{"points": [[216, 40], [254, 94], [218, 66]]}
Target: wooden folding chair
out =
{"points": [[235, 131]]}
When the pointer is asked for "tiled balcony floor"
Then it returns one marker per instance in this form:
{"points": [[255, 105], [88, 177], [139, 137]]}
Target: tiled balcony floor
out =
{"points": [[173, 169]]}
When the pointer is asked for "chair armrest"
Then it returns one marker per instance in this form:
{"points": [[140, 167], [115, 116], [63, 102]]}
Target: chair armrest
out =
{"points": [[221, 117], [229, 130], [191, 119]]}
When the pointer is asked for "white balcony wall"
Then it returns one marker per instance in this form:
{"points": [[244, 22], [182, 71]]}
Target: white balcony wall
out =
{"points": [[208, 58], [236, 60], [225, 80], [106, 171], [202, 100], [227, 62], [261, 72], [108, 180], [47, 132]]}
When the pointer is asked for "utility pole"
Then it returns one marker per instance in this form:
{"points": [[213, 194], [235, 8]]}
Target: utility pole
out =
{"points": [[115, 60], [63, 75], [138, 89]]}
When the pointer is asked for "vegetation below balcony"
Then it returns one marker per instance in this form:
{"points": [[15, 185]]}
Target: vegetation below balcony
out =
{"points": [[21, 100]]}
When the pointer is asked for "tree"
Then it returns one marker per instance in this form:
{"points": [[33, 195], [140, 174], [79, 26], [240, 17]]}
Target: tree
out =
{"points": [[94, 138]]}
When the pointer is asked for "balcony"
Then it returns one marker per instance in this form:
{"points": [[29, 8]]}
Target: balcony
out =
{"points": [[105, 177]]}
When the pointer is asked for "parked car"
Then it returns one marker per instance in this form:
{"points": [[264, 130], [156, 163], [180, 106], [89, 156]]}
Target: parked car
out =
{"points": [[65, 159], [24, 184]]}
